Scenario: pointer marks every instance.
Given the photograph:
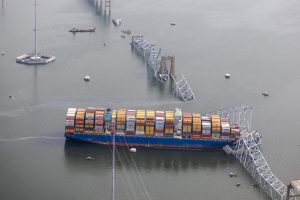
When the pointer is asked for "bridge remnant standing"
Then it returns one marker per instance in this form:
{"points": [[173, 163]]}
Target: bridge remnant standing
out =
{"points": [[107, 6], [162, 67]]}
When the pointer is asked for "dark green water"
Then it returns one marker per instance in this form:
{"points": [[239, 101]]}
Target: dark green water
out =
{"points": [[258, 42]]}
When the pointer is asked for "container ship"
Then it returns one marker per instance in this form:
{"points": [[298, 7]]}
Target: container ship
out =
{"points": [[149, 128]]}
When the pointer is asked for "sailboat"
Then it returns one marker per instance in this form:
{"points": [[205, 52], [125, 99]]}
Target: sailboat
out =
{"points": [[35, 58]]}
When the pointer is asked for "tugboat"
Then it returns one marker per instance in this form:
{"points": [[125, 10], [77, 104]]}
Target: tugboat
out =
{"points": [[76, 30]]}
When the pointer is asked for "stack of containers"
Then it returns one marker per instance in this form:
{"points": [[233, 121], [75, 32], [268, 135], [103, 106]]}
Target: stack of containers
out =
{"points": [[150, 121], [130, 122], [169, 124], [196, 128], [159, 123], [79, 120], [178, 123], [216, 126], [89, 120], [235, 132], [206, 127], [121, 121], [225, 129], [112, 124], [99, 120], [70, 121], [140, 123], [187, 125]]}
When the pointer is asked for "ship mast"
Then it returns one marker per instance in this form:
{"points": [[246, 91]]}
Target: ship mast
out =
{"points": [[35, 43], [113, 168]]}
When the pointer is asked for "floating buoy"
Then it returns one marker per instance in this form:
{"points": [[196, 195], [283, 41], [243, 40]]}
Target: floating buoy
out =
{"points": [[227, 75], [87, 78], [89, 158], [133, 150], [117, 22], [232, 175], [12, 97], [265, 94], [255, 185], [128, 32]]}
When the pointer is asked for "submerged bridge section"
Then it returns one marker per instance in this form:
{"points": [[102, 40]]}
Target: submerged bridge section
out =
{"points": [[247, 151], [162, 67]]}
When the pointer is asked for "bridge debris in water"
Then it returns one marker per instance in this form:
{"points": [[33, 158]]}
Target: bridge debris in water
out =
{"points": [[162, 67], [247, 151], [295, 185]]}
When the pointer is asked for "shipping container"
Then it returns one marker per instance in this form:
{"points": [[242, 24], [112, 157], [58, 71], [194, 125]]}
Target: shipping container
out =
{"points": [[140, 122], [186, 124], [178, 123], [150, 122], [130, 122], [197, 124], [159, 123]]}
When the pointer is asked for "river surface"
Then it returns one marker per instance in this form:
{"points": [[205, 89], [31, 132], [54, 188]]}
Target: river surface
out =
{"points": [[256, 41]]}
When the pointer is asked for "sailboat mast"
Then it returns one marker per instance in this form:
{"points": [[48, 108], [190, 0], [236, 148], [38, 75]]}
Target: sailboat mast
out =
{"points": [[35, 44], [113, 168]]}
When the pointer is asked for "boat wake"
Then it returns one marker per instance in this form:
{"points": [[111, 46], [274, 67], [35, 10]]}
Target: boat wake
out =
{"points": [[30, 138]]}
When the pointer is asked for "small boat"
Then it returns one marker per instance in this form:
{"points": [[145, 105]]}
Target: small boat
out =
{"points": [[76, 30], [172, 24], [265, 94], [132, 150]]}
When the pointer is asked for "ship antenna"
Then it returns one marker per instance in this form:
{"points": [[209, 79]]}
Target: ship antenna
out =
{"points": [[113, 168], [35, 43]]}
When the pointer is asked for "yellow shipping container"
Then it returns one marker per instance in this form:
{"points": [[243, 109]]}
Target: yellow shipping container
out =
{"points": [[140, 128], [196, 115], [215, 116], [150, 112], [187, 128], [80, 109], [215, 136], [149, 130]]}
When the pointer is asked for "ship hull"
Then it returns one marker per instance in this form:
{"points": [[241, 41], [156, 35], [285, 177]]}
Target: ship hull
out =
{"points": [[152, 142]]}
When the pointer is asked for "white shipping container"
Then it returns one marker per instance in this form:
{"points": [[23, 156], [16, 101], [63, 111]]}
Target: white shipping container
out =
{"points": [[158, 134], [120, 133], [72, 109], [98, 127], [225, 137], [69, 122], [206, 131], [160, 119], [140, 133], [204, 118]]}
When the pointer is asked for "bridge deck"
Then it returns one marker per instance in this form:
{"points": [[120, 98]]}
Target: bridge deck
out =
{"points": [[296, 185]]}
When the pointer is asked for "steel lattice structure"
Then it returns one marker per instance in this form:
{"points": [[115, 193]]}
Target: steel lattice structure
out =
{"points": [[183, 90], [247, 151], [159, 66]]}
